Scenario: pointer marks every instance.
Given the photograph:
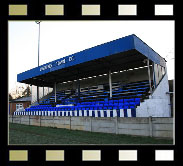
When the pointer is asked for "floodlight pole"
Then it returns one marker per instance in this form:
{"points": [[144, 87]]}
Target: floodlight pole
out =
{"points": [[38, 22]]}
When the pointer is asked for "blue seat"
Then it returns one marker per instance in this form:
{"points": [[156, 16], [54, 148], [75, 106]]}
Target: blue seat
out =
{"points": [[111, 104], [137, 99], [109, 108], [132, 106], [115, 104], [120, 100], [126, 106], [132, 103], [115, 107], [131, 100], [121, 106]]}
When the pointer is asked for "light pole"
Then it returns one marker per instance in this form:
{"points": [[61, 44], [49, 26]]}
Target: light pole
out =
{"points": [[39, 23]]}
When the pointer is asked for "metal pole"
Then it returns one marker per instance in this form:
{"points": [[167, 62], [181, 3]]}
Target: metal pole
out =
{"points": [[110, 83], [78, 85], [38, 94], [154, 77], [38, 22], [31, 94], [149, 74], [55, 92]]}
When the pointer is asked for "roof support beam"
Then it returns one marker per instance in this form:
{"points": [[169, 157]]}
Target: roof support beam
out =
{"points": [[154, 76], [31, 94], [43, 91], [55, 88], [149, 75], [38, 94], [110, 84], [78, 87]]}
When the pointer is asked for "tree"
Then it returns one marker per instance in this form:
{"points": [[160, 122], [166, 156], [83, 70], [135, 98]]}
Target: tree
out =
{"points": [[26, 92], [10, 97]]}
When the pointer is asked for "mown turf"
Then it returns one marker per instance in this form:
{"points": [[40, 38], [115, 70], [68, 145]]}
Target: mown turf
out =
{"points": [[24, 134]]}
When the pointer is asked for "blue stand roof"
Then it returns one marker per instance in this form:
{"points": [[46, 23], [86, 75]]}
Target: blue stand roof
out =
{"points": [[110, 52]]}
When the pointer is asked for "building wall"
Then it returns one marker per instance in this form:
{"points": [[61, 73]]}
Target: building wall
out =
{"points": [[13, 106]]}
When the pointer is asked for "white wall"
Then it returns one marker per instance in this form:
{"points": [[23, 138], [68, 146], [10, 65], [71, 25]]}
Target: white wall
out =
{"points": [[158, 104]]}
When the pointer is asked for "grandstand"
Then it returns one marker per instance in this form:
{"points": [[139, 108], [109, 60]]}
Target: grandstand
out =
{"points": [[124, 78]]}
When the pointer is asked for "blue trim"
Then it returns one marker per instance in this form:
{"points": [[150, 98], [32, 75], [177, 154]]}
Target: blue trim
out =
{"points": [[111, 113], [118, 113], [87, 113], [82, 112], [133, 112], [105, 113], [125, 113], [99, 114]]}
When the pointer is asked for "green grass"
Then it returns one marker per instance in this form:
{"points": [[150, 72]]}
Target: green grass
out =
{"points": [[24, 134]]}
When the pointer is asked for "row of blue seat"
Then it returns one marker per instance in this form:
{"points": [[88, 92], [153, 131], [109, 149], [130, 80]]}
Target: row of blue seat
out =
{"points": [[41, 106], [113, 101], [137, 88], [68, 108]]}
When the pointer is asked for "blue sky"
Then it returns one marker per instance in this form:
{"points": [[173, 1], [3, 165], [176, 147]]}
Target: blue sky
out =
{"points": [[62, 38]]}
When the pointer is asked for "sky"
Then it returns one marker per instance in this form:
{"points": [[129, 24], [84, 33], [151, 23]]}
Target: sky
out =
{"points": [[61, 38]]}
